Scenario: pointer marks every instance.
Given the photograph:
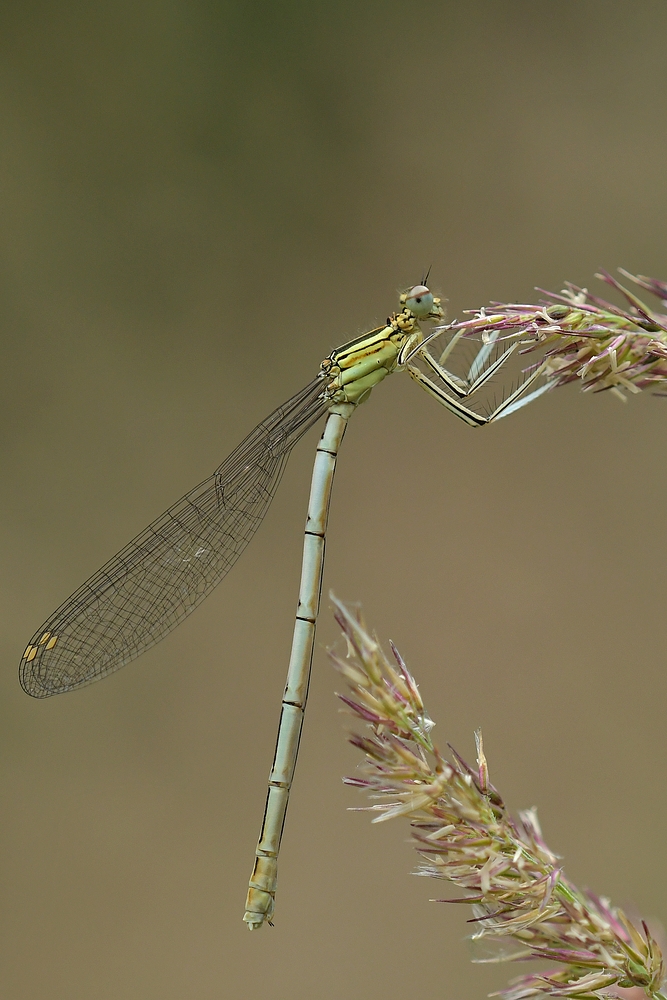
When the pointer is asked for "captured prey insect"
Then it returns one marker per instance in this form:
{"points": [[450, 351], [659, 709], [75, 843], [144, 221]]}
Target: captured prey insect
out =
{"points": [[153, 583]]}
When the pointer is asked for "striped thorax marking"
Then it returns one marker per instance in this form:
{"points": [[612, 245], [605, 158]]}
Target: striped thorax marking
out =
{"points": [[362, 363]]}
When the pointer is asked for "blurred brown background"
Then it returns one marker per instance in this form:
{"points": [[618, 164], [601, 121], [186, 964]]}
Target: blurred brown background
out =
{"points": [[200, 200]]}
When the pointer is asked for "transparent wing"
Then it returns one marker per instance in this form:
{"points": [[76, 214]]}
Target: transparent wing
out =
{"points": [[152, 584]]}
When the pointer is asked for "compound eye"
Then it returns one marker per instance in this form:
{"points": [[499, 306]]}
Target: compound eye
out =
{"points": [[419, 301]]}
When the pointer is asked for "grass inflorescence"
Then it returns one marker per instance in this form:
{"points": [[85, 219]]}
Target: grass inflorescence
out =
{"points": [[585, 338], [514, 883]]}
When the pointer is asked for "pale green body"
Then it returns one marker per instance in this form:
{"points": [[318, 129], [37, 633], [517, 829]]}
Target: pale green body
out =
{"points": [[353, 370]]}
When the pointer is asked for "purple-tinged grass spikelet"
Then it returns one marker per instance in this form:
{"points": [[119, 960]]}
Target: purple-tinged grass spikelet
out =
{"points": [[462, 829], [586, 339]]}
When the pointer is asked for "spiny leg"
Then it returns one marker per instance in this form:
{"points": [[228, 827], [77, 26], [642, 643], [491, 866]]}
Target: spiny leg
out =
{"points": [[478, 376]]}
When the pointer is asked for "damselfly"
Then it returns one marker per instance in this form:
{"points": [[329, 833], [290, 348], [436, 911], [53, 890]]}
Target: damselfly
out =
{"points": [[153, 583]]}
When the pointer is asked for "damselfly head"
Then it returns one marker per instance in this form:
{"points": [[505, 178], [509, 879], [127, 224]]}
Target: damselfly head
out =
{"points": [[421, 303]]}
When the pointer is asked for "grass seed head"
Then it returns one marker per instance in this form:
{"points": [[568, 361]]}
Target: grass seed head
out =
{"points": [[584, 338], [502, 866]]}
